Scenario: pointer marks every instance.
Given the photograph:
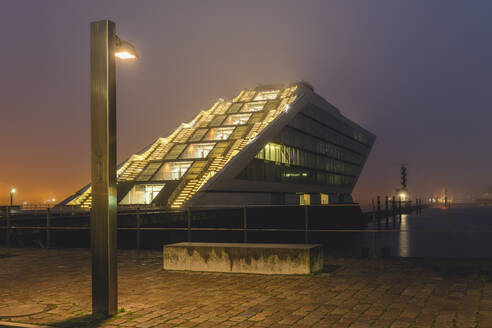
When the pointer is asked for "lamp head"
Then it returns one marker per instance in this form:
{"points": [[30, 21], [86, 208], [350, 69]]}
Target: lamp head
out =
{"points": [[12, 191], [125, 50]]}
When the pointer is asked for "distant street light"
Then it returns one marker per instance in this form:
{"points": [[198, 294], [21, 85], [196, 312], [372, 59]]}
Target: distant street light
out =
{"points": [[12, 192], [105, 46]]}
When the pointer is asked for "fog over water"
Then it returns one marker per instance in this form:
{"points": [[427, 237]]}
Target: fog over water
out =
{"points": [[415, 73]]}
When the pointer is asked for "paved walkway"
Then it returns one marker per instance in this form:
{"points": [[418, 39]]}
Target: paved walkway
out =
{"points": [[52, 287]]}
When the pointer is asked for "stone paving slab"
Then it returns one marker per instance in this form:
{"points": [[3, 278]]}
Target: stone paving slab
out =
{"points": [[351, 293]]}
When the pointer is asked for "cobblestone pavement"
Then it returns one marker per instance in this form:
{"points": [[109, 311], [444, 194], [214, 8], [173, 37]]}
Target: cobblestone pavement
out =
{"points": [[54, 286]]}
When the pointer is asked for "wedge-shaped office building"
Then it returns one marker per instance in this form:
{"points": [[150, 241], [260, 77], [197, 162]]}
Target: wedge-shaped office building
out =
{"points": [[272, 145]]}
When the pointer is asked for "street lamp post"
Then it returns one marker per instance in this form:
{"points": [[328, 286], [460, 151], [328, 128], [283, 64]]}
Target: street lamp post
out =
{"points": [[12, 192], [105, 45]]}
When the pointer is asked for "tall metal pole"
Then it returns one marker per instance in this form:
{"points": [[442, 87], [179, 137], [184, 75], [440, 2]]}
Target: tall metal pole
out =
{"points": [[103, 168], [11, 198]]}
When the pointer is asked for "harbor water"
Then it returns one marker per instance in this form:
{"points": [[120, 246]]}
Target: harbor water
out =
{"points": [[456, 232]]}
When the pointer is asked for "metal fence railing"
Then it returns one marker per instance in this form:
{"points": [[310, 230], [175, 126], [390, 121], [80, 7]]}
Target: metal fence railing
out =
{"points": [[152, 227]]}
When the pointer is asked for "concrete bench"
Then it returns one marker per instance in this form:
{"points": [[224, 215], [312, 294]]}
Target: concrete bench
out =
{"points": [[244, 258]]}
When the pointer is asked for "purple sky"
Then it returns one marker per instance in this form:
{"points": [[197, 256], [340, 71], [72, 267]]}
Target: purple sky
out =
{"points": [[418, 74]]}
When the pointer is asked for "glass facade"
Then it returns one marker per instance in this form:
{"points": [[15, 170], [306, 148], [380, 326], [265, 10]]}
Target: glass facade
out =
{"points": [[148, 172], [325, 199], [296, 157], [172, 171], [142, 194], [316, 147], [237, 119], [259, 170], [304, 199], [253, 106], [198, 150], [308, 151], [219, 133], [175, 151], [267, 95]]}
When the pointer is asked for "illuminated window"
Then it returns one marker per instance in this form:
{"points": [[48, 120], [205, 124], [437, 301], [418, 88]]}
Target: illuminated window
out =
{"points": [[148, 172], [217, 120], [197, 136], [276, 153], [254, 106], [172, 171], [267, 95], [199, 150], [221, 107], [239, 132], [219, 133], [325, 199], [219, 148], [237, 119], [235, 108], [248, 95], [142, 194], [305, 199], [174, 153], [196, 169], [257, 117]]}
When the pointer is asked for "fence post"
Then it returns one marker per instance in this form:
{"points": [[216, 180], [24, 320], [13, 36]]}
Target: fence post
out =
{"points": [[393, 207], [61, 211], [138, 228], [7, 212], [374, 227], [245, 225], [48, 226], [399, 207], [188, 211], [306, 224], [73, 210], [379, 208], [386, 209]]}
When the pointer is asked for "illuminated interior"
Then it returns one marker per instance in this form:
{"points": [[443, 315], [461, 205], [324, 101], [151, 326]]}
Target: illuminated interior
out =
{"points": [[219, 133], [142, 194], [207, 143], [305, 199], [172, 171], [267, 95], [253, 106], [199, 150], [325, 199], [237, 119]]}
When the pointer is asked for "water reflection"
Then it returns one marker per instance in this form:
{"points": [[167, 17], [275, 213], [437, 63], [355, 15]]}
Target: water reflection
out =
{"points": [[404, 237], [459, 232]]}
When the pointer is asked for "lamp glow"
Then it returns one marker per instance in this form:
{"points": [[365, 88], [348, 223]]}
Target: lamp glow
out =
{"points": [[12, 190], [125, 50], [125, 55]]}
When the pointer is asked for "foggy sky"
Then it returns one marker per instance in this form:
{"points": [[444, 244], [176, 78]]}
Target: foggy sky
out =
{"points": [[418, 74]]}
